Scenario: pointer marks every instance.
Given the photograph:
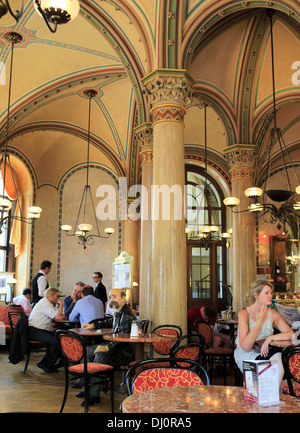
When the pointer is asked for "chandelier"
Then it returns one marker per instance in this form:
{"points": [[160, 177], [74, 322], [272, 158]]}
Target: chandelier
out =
{"points": [[287, 206], [206, 233], [86, 208], [7, 172], [53, 12]]}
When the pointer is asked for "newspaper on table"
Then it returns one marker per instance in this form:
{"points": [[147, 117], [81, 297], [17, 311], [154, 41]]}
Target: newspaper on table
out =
{"points": [[289, 314]]}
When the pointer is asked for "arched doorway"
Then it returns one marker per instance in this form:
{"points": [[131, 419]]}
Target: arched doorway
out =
{"points": [[206, 261]]}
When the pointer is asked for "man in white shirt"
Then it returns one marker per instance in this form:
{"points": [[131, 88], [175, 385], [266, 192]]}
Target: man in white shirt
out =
{"points": [[40, 326], [24, 300]]}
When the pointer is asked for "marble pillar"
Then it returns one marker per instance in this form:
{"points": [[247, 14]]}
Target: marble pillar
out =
{"points": [[168, 91], [144, 134], [130, 244], [241, 159]]}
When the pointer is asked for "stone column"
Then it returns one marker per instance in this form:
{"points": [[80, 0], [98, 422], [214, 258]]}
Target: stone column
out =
{"points": [[168, 91], [144, 133], [130, 244], [241, 159]]}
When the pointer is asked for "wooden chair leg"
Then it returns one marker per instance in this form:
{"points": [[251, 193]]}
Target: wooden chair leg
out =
{"points": [[27, 359], [66, 392]]}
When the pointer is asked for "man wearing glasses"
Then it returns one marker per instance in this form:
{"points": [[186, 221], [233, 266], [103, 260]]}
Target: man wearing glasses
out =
{"points": [[70, 301]]}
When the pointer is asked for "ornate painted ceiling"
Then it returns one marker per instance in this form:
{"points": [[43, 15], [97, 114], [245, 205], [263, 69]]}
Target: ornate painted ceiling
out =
{"points": [[112, 45]]}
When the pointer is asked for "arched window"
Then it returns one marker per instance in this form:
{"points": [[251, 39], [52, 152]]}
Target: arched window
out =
{"points": [[206, 260], [203, 203]]}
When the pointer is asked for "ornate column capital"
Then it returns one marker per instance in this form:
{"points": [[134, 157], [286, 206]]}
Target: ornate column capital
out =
{"points": [[144, 133], [168, 92], [241, 159]]}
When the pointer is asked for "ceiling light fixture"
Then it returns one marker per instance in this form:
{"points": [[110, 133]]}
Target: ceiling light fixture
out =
{"points": [[83, 234], [57, 12], [260, 197], [5, 7], [7, 173]]}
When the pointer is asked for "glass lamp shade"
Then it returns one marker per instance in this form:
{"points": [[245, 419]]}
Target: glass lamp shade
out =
{"points": [[34, 215], [296, 205], [61, 11], [35, 210], [214, 229], [205, 229], [225, 235], [66, 228], [11, 281], [231, 201], [85, 227], [5, 203], [79, 233], [297, 189], [255, 207], [253, 192], [109, 230]]}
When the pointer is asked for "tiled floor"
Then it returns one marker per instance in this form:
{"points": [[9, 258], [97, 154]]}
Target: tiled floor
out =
{"points": [[37, 391]]}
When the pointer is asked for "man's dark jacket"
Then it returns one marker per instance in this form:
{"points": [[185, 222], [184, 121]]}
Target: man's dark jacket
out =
{"points": [[119, 353], [19, 343], [100, 293]]}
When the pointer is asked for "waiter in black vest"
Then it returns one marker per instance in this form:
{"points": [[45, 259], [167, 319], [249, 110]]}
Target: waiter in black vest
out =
{"points": [[39, 283]]}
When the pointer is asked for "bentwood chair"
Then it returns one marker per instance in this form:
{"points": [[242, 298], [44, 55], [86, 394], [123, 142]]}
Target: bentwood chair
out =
{"points": [[32, 345], [162, 347], [142, 378], [189, 347], [74, 356], [212, 355], [291, 365]]}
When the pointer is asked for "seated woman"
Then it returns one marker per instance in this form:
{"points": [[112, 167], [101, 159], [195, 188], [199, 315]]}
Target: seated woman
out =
{"points": [[255, 328]]}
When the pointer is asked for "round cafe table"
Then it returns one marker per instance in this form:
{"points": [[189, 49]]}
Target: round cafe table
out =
{"points": [[203, 399], [139, 341]]}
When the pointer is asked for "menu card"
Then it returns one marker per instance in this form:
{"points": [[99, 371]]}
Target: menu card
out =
{"points": [[261, 383]]}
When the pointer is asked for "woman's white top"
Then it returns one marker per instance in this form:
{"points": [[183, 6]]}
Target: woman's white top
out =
{"points": [[265, 331]]}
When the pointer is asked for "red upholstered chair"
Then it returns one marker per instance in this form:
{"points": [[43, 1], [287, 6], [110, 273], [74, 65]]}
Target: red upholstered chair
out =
{"points": [[291, 365], [74, 356], [32, 345], [212, 355], [164, 377], [163, 347], [189, 347]]}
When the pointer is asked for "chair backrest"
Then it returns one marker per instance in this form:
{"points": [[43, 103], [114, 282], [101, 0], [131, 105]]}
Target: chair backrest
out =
{"points": [[72, 346], [291, 365], [13, 317], [145, 325], [163, 346], [189, 346], [164, 377], [205, 330]]}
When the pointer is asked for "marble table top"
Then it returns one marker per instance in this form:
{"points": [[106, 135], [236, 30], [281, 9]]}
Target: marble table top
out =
{"points": [[146, 338], [203, 399]]}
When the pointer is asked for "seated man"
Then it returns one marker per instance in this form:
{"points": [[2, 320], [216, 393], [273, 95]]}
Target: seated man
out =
{"points": [[113, 353], [70, 301], [208, 315], [24, 300], [40, 326], [88, 307]]}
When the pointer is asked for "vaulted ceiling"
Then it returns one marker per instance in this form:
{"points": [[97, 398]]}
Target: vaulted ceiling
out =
{"points": [[112, 45]]}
